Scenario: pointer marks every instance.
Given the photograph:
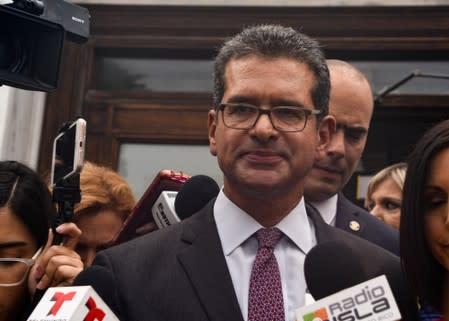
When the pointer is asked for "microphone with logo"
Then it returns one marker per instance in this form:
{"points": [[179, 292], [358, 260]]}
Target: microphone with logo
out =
{"points": [[352, 282], [170, 198], [161, 191], [72, 304], [173, 207]]}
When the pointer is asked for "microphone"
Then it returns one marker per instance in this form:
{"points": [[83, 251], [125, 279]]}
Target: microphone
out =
{"points": [[101, 283], [330, 267], [171, 197], [334, 266], [72, 304], [155, 206], [173, 207], [369, 300], [163, 210], [195, 194]]}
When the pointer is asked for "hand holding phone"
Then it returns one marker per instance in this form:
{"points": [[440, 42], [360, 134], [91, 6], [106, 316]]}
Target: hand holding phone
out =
{"points": [[67, 163]]}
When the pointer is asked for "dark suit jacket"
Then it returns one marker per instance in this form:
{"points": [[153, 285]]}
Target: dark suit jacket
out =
{"points": [[357, 221], [180, 273]]}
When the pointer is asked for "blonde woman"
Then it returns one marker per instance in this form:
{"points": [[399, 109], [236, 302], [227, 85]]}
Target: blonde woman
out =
{"points": [[384, 194]]}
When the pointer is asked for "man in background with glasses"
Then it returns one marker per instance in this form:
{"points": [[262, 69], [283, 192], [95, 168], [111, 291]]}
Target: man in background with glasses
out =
{"points": [[241, 257], [351, 103]]}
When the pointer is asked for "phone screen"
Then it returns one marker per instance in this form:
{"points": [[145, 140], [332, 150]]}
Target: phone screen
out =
{"points": [[67, 149]]}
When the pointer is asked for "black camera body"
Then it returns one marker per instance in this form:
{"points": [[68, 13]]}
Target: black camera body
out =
{"points": [[32, 35]]}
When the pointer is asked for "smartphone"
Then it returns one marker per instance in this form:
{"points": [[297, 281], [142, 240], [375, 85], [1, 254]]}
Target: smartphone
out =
{"points": [[68, 151], [165, 180]]}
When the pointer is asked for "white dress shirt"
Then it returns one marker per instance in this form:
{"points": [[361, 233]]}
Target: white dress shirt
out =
{"points": [[327, 209], [236, 231]]}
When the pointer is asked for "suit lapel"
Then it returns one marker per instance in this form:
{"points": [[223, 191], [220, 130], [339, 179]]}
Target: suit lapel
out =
{"points": [[323, 231], [205, 266], [348, 217]]}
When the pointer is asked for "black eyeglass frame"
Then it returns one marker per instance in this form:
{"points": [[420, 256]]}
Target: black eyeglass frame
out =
{"points": [[308, 112]]}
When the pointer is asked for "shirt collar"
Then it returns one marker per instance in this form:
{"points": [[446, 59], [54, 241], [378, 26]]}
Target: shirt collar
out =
{"points": [[235, 226], [327, 209]]}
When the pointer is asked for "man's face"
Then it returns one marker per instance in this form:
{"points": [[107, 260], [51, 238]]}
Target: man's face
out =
{"points": [[263, 160], [351, 104]]}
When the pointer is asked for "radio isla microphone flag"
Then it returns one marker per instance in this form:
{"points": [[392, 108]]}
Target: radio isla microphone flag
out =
{"points": [[369, 300], [76, 303], [333, 266]]}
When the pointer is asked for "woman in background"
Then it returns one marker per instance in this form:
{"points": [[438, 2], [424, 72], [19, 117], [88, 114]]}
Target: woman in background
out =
{"points": [[27, 259], [106, 201], [424, 228], [384, 194]]}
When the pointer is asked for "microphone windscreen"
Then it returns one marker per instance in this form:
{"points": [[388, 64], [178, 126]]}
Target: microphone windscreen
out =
{"points": [[333, 266], [101, 280], [194, 195], [330, 267]]}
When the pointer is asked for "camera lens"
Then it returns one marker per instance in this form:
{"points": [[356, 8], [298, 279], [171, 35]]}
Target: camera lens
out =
{"points": [[12, 55]]}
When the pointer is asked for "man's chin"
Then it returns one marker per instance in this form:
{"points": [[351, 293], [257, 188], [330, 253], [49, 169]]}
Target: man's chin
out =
{"points": [[320, 190]]}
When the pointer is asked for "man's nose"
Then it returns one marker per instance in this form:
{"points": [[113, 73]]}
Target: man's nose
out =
{"points": [[263, 128], [337, 145]]}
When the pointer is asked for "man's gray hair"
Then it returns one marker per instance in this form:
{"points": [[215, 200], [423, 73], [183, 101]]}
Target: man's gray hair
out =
{"points": [[275, 41]]}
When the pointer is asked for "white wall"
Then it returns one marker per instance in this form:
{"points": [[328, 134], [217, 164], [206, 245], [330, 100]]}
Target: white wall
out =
{"points": [[21, 116], [4, 99]]}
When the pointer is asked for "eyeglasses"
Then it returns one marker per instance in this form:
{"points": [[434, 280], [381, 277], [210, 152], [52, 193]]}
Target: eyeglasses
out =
{"points": [[13, 271], [283, 118]]}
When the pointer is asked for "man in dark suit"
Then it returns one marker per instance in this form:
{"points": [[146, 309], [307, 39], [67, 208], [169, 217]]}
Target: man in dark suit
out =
{"points": [[245, 250], [351, 103]]}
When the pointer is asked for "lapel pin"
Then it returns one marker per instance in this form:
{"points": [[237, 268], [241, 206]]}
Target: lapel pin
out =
{"points": [[354, 225]]}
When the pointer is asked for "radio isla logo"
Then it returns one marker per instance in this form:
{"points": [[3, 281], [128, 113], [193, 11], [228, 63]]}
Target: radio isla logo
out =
{"points": [[318, 315]]}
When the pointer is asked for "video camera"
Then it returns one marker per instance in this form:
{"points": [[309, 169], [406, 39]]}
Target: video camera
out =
{"points": [[32, 34]]}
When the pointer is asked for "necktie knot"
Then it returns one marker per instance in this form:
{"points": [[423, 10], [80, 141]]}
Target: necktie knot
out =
{"points": [[268, 237]]}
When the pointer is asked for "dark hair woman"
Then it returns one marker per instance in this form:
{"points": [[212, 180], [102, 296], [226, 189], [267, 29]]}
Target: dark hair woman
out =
{"points": [[27, 259], [424, 228]]}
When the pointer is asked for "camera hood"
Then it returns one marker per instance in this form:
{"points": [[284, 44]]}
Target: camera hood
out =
{"points": [[31, 44]]}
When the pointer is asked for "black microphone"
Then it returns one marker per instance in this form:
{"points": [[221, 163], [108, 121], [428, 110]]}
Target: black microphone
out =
{"points": [[170, 198], [194, 195], [325, 262], [102, 283], [333, 266], [155, 209], [90, 298]]}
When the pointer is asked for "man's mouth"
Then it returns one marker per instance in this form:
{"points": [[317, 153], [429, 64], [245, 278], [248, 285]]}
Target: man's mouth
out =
{"points": [[329, 169]]}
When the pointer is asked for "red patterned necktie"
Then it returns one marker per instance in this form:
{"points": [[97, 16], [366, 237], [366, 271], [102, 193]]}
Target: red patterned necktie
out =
{"points": [[265, 301]]}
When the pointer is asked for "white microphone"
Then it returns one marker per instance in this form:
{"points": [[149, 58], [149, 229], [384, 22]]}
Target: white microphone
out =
{"points": [[163, 210], [173, 207], [369, 300], [75, 303]]}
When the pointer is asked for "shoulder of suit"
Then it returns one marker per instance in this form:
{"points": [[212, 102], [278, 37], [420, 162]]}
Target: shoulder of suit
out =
{"points": [[372, 222]]}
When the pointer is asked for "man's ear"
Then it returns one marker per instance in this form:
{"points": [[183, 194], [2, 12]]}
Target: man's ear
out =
{"points": [[326, 132], [212, 127]]}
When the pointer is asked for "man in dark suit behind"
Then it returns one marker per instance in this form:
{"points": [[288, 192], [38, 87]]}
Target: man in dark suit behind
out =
{"points": [[351, 103], [268, 127]]}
